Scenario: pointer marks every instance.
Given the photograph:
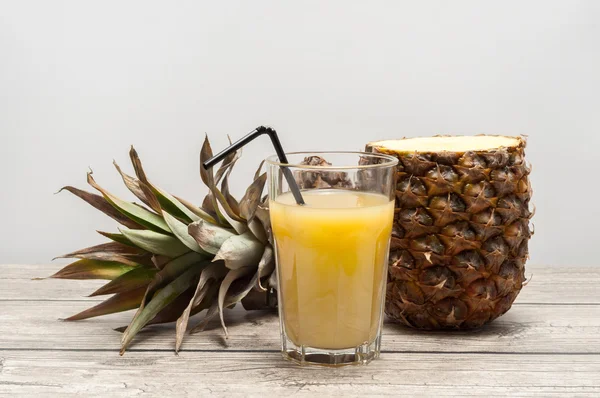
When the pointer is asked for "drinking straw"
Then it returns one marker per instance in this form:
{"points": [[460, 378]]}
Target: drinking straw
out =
{"points": [[278, 149]]}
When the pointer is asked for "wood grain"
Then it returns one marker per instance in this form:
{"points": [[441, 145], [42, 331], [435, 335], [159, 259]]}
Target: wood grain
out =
{"points": [[524, 329], [547, 344], [547, 285], [265, 374]]}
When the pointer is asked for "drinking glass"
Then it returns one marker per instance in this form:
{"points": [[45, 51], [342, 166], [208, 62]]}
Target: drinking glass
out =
{"points": [[332, 253]]}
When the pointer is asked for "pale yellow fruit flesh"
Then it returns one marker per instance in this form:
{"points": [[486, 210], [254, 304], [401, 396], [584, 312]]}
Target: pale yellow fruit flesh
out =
{"points": [[450, 143]]}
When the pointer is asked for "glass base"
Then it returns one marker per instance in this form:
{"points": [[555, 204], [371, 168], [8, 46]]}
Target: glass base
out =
{"points": [[303, 355]]}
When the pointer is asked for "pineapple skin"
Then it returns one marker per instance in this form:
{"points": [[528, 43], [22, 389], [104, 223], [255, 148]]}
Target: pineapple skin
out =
{"points": [[460, 238]]}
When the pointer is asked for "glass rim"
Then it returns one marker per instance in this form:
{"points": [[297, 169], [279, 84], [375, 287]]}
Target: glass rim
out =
{"points": [[391, 161]]}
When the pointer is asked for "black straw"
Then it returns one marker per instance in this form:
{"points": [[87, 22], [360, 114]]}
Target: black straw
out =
{"points": [[278, 149]]}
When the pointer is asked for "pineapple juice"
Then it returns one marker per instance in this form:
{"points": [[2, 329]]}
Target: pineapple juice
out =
{"points": [[332, 260]]}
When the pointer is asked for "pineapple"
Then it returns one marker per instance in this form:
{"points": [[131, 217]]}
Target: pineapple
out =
{"points": [[172, 259], [461, 229]]}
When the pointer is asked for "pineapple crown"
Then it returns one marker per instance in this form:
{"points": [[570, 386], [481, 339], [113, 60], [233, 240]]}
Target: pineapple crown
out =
{"points": [[172, 259]]}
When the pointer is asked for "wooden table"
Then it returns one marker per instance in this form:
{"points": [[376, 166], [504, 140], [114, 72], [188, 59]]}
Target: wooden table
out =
{"points": [[547, 344]]}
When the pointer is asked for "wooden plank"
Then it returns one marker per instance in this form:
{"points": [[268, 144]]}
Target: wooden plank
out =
{"points": [[541, 347], [31, 282], [266, 374], [524, 329], [548, 285]]}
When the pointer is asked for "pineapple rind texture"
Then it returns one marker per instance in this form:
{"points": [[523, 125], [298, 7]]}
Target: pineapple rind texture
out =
{"points": [[461, 230]]}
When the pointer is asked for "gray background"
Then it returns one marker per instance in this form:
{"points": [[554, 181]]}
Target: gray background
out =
{"points": [[80, 81]]}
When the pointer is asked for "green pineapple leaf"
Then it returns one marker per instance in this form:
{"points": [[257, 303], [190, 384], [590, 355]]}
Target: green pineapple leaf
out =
{"points": [[136, 213], [180, 230], [139, 189], [167, 202], [118, 303], [133, 279], [154, 242], [210, 314], [265, 266], [209, 237], [228, 163], [93, 269], [112, 251], [231, 276], [116, 237], [100, 203], [201, 213], [206, 288], [208, 179], [252, 197], [162, 298], [240, 251]]}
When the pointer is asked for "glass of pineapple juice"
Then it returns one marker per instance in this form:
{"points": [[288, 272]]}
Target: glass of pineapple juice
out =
{"points": [[332, 253]]}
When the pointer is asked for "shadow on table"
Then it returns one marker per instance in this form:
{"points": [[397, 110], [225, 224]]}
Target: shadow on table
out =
{"points": [[498, 328]]}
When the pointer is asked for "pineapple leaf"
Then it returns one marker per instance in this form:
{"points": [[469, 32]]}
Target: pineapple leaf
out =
{"points": [[181, 232], [131, 183], [173, 310], [226, 166], [206, 288], [240, 289], [214, 271], [93, 269], [137, 165], [240, 251], [224, 172], [112, 251], [217, 196], [120, 238], [201, 213], [117, 303], [163, 298], [209, 237], [100, 203], [262, 214], [152, 198], [207, 205], [138, 214], [208, 178], [173, 206], [251, 199], [136, 278], [239, 226], [231, 201], [165, 201], [205, 154], [265, 266], [159, 261], [258, 230], [260, 166], [154, 242], [228, 163], [170, 271], [224, 204], [210, 314], [139, 189], [182, 321], [231, 276]]}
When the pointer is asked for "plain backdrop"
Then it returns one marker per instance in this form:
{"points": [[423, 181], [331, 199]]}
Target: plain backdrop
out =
{"points": [[81, 81]]}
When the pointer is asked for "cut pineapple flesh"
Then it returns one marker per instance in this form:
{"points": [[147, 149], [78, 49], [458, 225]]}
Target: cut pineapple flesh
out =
{"points": [[449, 143]]}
